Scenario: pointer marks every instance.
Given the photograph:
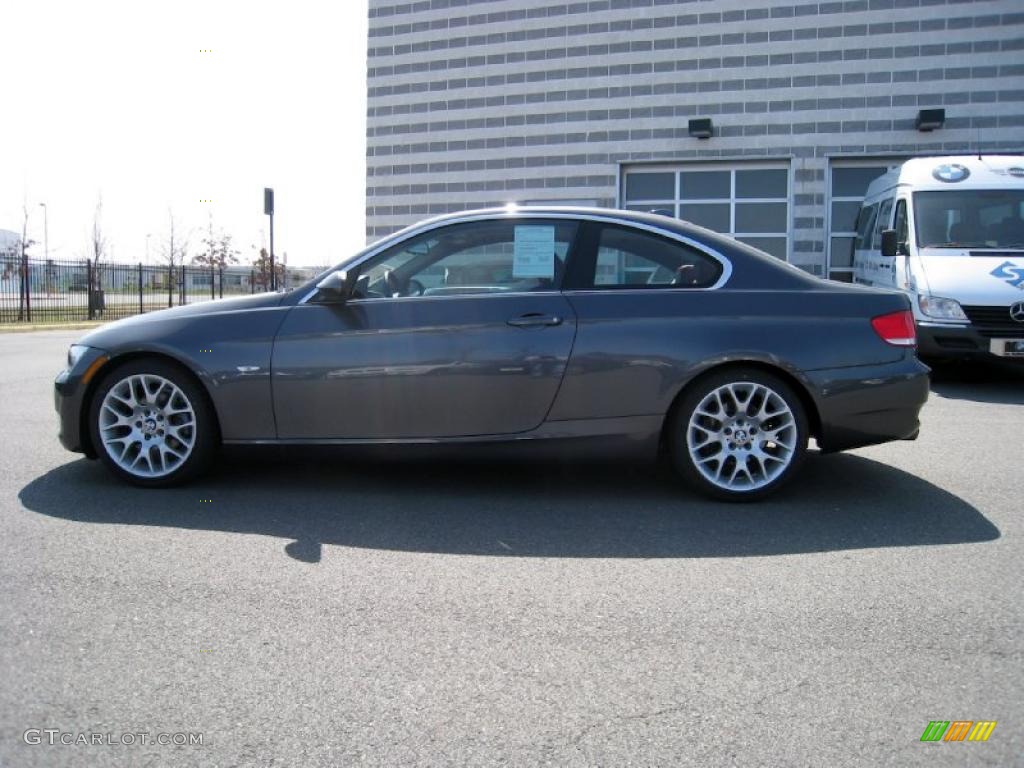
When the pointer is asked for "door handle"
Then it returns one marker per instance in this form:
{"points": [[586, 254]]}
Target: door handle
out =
{"points": [[534, 320]]}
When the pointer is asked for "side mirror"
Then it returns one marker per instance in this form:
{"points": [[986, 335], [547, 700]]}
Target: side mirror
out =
{"points": [[337, 286], [889, 244]]}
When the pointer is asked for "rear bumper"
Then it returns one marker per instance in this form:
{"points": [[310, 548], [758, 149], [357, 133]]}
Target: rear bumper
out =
{"points": [[943, 342], [866, 405]]}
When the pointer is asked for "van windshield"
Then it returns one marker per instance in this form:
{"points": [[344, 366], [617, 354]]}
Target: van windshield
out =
{"points": [[976, 218]]}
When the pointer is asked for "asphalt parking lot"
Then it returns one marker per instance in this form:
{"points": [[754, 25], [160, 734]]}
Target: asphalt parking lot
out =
{"points": [[316, 609]]}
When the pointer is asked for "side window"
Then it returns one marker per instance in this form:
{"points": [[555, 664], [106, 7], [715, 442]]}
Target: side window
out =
{"points": [[900, 225], [477, 257], [630, 259], [881, 223], [865, 226]]}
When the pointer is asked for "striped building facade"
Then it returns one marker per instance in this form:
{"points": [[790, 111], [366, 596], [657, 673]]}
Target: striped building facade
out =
{"points": [[481, 102]]}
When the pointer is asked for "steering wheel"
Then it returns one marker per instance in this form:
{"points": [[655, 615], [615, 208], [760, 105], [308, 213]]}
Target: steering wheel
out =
{"points": [[414, 287]]}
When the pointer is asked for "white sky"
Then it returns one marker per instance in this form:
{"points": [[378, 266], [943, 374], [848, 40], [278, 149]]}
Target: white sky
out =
{"points": [[115, 98]]}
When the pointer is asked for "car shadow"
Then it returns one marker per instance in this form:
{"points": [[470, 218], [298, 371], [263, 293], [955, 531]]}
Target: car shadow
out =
{"points": [[520, 509], [981, 381]]}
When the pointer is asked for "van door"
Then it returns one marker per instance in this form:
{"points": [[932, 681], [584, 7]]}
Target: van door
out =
{"points": [[862, 272], [901, 268], [881, 268]]}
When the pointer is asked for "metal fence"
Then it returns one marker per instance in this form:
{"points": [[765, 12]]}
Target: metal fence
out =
{"points": [[50, 290]]}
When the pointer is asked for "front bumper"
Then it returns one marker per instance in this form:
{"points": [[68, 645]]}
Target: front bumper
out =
{"points": [[70, 389], [959, 342], [867, 405]]}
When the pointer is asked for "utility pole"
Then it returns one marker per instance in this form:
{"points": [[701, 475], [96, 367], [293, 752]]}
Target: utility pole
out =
{"points": [[268, 209]]}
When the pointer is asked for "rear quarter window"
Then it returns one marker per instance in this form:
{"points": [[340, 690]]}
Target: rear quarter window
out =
{"points": [[628, 258]]}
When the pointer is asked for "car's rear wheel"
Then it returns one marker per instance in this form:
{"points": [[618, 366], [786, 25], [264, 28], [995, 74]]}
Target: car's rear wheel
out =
{"points": [[151, 424], [738, 435]]}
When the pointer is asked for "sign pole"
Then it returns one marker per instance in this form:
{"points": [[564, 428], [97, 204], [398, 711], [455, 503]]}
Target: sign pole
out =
{"points": [[268, 209]]}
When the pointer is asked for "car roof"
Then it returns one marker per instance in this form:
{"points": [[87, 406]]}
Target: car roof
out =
{"points": [[649, 220]]}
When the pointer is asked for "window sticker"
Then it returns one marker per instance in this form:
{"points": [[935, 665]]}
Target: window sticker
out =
{"points": [[534, 251]]}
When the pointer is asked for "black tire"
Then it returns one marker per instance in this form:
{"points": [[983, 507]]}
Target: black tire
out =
{"points": [[202, 430], [792, 438]]}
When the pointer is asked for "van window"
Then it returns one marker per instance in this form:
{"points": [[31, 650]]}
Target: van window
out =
{"points": [[900, 224], [865, 226], [881, 223], [977, 218]]}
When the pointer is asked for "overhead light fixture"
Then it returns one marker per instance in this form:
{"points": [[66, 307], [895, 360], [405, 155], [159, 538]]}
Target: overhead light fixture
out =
{"points": [[701, 128], [930, 119]]}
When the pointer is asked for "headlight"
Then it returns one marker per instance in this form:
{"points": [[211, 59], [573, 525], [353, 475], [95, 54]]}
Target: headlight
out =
{"points": [[75, 353], [940, 308]]}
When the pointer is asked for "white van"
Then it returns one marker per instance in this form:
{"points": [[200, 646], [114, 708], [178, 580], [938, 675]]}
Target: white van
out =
{"points": [[949, 231]]}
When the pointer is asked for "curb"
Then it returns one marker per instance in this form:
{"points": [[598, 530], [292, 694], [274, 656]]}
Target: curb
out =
{"points": [[29, 327]]}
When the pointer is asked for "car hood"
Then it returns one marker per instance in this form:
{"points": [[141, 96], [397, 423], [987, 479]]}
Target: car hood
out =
{"points": [[976, 280], [104, 337]]}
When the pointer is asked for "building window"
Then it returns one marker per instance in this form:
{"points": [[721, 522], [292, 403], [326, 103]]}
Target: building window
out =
{"points": [[749, 202], [848, 183]]}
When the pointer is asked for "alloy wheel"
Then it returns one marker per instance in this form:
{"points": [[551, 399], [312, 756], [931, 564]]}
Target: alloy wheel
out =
{"points": [[147, 425], [742, 436]]}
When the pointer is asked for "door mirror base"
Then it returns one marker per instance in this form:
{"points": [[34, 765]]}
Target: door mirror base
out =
{"points": [[889, 244], [336, 287]]}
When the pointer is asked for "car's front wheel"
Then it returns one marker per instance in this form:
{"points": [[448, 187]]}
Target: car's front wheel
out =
{"points": [[151, 424], [738, 435]]}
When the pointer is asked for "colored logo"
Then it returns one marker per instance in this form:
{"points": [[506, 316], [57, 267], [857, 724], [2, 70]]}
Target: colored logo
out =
{"points": [[1017, 311], [1011, 273], [950, 172], [958, 730]]}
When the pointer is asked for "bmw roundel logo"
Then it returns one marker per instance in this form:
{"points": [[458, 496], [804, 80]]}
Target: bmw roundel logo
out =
{"points": [[951, 172], [1017, 311]]}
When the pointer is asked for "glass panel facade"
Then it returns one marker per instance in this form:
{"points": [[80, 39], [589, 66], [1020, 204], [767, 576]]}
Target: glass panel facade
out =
{"points": [[844, 215], [705, 185], [711, 215], [842, 252], [849, 183], [749, 201], [762, 182], [650, 186], [761, 217]]}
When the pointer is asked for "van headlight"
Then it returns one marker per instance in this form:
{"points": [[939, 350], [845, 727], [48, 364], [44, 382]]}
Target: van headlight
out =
{"points": [[940, 308]]}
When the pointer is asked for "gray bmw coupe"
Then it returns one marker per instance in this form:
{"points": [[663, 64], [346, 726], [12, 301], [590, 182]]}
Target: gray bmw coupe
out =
{"points": [[539, 327]]}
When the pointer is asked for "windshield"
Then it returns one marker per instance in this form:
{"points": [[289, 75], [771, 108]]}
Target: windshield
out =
{"points": [[975, 218]]}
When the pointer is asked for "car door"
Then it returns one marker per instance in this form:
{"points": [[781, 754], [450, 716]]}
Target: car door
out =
{"points": [[458, 331], [644, 313]]}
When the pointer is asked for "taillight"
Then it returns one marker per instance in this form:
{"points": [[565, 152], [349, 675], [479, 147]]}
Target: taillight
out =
{"points": [[896, 328]]}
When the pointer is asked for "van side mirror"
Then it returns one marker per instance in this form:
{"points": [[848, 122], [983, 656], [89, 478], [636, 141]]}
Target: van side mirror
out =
{"points": [[337, 286], [889, 244]]}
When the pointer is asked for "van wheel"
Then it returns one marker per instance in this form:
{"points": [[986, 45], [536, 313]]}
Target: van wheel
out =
{"points": [[738, 435]]}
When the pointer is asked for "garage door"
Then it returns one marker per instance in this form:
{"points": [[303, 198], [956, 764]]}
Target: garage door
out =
{"points": [[847, 184], [751, 202]]}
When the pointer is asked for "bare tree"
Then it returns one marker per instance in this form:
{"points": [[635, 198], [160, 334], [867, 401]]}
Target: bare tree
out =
{"points": [[173, 252], [98, 244], [261, 270], [217, 251], [24, 300]]}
